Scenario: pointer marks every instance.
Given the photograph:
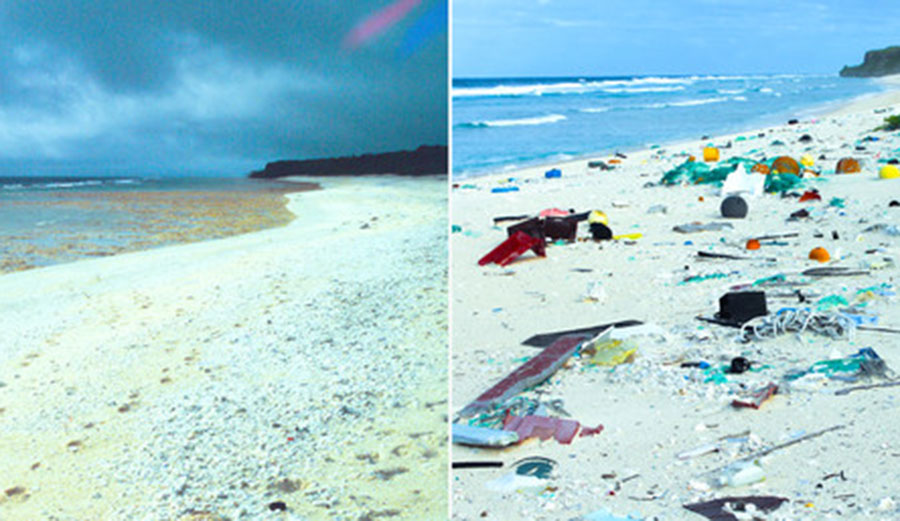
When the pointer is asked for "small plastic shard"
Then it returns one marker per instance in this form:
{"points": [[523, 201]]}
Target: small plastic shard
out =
{"points": [[701, 227], [699, 451], [545, 427], [590, 431], [756, 399], [833, 271], [715, 510], [608, 352], [483, 436], [534, 371], [740, 473], [509, 250]]}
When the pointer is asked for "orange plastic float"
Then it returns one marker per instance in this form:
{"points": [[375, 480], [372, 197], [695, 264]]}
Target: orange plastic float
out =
{"points": [[785, 165], [819, 254], [753, 244], [847, 165]]}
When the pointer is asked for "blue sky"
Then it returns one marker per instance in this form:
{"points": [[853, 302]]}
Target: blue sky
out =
{"points": [[497, 38], [200, 87]]}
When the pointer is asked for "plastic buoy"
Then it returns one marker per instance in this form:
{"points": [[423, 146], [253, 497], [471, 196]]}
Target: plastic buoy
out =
{"points": [[819, 254], [889, 172], [733, 207], [753, 244], [785, 165], [710, 154], [847, 165]]}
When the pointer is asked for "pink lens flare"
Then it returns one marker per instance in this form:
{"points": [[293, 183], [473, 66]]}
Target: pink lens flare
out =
{"points": [[379, 22]]}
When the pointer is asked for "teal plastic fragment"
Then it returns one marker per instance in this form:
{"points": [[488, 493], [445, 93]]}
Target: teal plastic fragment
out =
{"points": [[831, 301]]}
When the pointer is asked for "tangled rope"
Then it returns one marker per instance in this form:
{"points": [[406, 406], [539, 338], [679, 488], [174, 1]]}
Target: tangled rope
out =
{"points": [[791, 320]]}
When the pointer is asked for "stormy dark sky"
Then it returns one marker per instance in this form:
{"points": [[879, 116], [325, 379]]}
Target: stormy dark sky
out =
{"points": [[210, 87]]}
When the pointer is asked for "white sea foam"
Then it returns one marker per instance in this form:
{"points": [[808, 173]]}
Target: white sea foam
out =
{"points": [[72, 184], [638, 90], [540, 120], [565, 87]]}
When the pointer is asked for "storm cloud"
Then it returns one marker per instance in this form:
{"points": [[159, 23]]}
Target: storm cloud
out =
{"points": [[123, 86]]}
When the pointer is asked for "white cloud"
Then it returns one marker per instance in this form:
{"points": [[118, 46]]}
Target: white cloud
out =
{"points": [[208, 87]]}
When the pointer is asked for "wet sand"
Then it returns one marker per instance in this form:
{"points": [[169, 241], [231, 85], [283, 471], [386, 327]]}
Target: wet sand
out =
{"points": [[113, 222]]}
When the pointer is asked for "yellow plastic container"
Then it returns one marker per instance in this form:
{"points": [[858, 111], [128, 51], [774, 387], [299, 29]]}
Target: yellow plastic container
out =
{"points": [[710, 154], [597, 216], [889, 172], [807, 160]]}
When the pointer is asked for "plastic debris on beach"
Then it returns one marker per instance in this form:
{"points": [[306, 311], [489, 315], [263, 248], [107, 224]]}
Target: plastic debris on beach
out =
{"points": [[798, 320], [702, 227], [545, 427], [738, 474], [608, 352], [553, 173], [532, 372], [482, 436], [724, 509], [510, 249], [756, 398], [865, 363]]}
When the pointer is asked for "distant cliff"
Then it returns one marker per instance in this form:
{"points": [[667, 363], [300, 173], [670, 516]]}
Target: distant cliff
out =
{"points": [[425, 160], [877, 63]]}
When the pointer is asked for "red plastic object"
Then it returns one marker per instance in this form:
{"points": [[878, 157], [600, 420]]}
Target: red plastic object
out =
{"points": [[508, 250], [757, 398], [809, 195], [544, 427], [590, 431], [553, 212], [531, 373]]}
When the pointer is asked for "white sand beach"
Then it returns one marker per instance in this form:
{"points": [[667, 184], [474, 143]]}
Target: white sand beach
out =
{"points": [[653, 409], [293, 373]]}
